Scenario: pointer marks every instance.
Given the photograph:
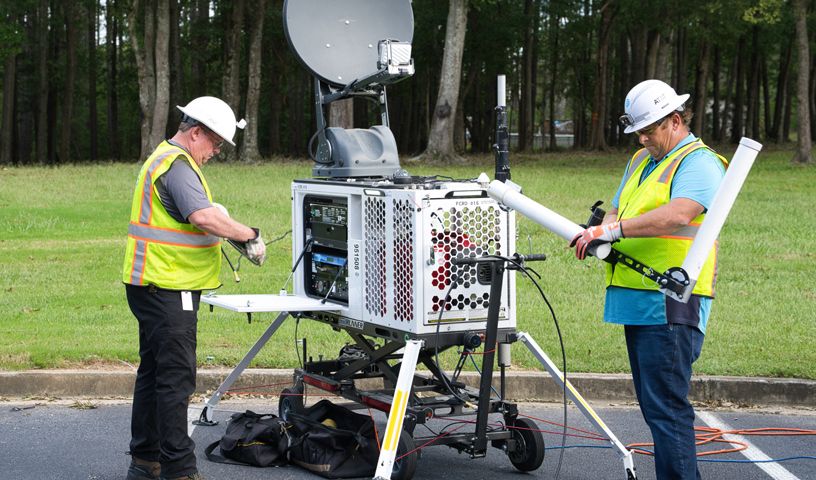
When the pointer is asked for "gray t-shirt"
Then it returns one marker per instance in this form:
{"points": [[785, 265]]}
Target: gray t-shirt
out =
{"points": [[181, 191]]}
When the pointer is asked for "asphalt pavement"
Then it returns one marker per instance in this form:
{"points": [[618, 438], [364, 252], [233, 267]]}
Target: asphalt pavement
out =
{"points": [[88, 439]]}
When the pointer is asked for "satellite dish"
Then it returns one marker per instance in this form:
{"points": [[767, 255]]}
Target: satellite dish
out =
{"points": [[337, 40]]}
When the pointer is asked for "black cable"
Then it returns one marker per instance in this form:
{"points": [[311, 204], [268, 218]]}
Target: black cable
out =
{"points": [[524, 269], [279, 238], [454, 282], [312, 153]]}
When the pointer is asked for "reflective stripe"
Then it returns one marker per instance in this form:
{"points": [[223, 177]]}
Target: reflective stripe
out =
{"points": [[146, 209], [640, 156], [689, 231], [139, 254], [679, 156], [175, 237]]}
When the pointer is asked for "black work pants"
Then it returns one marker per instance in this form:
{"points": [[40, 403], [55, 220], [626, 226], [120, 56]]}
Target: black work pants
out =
{"points": [[165, 379]]}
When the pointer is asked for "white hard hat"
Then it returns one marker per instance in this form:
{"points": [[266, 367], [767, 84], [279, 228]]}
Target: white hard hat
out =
{"points": [[215, 114], [648, 102]]}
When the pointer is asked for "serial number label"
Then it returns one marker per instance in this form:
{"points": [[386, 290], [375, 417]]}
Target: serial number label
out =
{"points": [[356, 256]]}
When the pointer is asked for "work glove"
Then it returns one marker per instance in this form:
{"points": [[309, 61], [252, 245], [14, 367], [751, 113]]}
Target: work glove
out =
{"points": [[221, 208], [594, 236], [256, 249]]}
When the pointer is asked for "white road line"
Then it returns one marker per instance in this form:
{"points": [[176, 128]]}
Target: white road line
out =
{"points": [[773, 469]]}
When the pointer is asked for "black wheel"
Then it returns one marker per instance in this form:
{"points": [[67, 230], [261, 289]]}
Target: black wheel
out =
{"points": [[405, 463], [291, 400], [404, 466], [528, 453]]}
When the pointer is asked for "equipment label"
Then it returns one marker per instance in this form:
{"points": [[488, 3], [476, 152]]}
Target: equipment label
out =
{"points": [[347, 322], [355, 252]]}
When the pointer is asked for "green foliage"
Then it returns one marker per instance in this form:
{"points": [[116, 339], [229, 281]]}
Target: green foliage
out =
{"points": [[62, 238], [765, 11]]}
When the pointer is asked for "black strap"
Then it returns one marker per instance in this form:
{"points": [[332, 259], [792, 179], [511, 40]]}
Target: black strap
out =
{"points": [[218, 458]]}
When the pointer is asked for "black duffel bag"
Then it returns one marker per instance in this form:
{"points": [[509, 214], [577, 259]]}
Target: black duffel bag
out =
{"points": [[332, 441], [252, 439]]}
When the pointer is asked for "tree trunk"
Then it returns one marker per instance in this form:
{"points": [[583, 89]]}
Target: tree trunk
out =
{"points": [[177, 91], [715, 92], [752, 116], [341, 113], [250, 151], [111, 28], [230, 82], [7, 132], [92, 115], [526, 102], [70, 83], [198, 36], [786, 119], [766, 93], [42, 85], [681, 61], [145, 68], [440, 136], [803, 142], [739, 96], [158, 127], [554, 30], [664, 51], [652, 50], [701, 87], [785, 56], [597, 139]]}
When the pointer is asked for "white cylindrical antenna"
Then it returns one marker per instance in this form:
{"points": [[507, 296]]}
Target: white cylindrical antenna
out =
{"points": [[724, 199], [563, 227], [501, 92]]}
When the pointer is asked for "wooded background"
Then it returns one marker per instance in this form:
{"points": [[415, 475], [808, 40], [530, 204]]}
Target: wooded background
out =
{"points": [[90, 80]]}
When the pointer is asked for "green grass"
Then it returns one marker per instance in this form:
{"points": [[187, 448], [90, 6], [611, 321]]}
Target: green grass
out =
{"points": [[62, 238]]}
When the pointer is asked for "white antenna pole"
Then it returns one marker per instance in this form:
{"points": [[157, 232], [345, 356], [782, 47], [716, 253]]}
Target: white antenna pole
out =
{"points": [[724, 199]]}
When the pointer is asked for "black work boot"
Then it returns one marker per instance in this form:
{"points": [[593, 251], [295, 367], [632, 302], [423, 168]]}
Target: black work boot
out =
{"points": [[192, 476], [143, 469]]}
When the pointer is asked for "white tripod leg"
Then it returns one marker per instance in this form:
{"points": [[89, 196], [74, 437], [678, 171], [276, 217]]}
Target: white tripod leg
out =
{"points": [[207, 414], [583, 405], [396, 417]]}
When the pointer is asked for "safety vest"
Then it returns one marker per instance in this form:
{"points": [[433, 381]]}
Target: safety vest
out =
{"points": [[160, 250], [666, 251]]}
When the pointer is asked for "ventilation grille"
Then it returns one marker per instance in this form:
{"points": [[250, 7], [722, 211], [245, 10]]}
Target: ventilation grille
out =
{"points": [[375, 253], [403, 261], [461, 233]]}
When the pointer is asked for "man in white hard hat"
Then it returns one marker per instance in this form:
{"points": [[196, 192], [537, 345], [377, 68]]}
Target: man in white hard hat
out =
{"points": [[173, 253], [665, 192]]}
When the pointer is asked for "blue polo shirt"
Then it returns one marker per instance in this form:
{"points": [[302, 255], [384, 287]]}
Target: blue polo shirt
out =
{"points": [[697, 178]]}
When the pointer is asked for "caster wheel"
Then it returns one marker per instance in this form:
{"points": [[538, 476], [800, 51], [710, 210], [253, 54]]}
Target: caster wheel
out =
{"points": [[404, 465], [528, 453]]}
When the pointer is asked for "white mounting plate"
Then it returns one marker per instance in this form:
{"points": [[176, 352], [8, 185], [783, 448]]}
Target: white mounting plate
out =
{"points": [[270, 303]]}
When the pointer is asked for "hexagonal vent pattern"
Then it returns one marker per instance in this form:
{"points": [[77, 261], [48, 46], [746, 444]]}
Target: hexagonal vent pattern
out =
{"points": [[375, 255], [403, 261], [465, 232]]}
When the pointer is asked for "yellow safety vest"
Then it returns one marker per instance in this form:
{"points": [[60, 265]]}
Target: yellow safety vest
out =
{"points": [[666, 251], [160, 250]]}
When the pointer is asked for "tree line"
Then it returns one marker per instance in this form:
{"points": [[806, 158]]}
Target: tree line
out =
{"points": [[90, 80]]}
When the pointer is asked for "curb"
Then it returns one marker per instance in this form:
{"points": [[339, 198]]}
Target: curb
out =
{"points": [[520, 386]]}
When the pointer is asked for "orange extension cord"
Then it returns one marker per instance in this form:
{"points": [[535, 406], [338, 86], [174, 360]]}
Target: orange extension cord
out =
{"points": [[705, 435]]}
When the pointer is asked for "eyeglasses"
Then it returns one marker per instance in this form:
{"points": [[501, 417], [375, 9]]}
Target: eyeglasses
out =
{"points": [[651, 128], [217, 141]]}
